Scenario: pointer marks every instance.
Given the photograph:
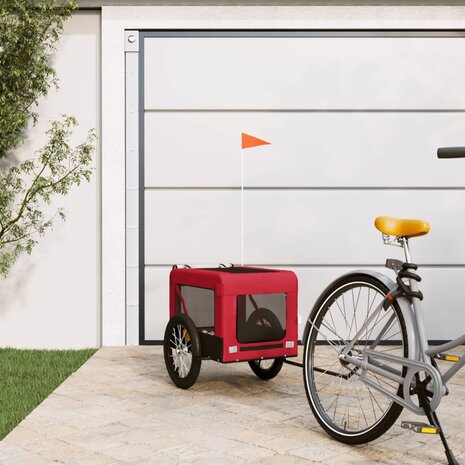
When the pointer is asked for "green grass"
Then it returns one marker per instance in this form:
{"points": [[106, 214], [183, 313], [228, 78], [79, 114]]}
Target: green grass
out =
{"points": [[27, 377]]}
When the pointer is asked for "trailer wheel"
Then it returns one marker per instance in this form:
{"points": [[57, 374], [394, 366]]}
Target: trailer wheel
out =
{"points": [[266, 369], [181, 348]]}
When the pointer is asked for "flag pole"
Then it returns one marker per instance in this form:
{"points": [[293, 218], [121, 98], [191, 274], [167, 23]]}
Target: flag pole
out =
{"points": [[242, 207], [247, 142]]}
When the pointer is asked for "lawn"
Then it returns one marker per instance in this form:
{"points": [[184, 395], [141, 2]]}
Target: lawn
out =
{"points": [[27, 377]]}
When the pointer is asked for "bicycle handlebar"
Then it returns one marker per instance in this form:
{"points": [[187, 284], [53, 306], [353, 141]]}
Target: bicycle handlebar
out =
{"points": [[451, 152]]}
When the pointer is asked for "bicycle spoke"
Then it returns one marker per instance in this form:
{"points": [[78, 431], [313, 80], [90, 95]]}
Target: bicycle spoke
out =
{"points": [[331, 344], [333, 380], [384, 380], [369, 307], [396, 348], [378, 320], [374, 398], [355, 306], [337, 335], [343, 314], [333, 330], [385, 330], [332, 319], [324, 372]]}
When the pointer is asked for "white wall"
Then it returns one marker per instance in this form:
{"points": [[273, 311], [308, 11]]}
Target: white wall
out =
{"points": [[51, 299]]}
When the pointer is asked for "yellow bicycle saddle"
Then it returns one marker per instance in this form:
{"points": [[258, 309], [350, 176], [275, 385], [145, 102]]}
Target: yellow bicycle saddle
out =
{"points": [[400, 227]]}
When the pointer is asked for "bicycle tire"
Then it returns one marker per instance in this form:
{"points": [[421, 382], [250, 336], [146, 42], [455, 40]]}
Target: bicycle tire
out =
{"points": [[344, 392]]}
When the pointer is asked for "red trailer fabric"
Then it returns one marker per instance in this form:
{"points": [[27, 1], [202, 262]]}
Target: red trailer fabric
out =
{"points": [[219, 332]]}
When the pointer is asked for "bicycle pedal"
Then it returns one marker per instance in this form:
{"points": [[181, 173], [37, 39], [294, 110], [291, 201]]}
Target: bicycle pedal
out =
{"points": [[418, 427], [447, 357]]}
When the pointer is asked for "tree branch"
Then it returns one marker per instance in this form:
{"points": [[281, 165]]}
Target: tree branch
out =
{"points": [[24, 203], [29, 233]]}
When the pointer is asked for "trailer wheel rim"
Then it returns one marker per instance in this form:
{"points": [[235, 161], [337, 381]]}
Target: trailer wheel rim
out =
{"points": [[181, 350], [266, 364]]}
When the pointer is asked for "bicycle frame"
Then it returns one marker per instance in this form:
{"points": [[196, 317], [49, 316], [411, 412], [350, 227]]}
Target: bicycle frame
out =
{"points": [[419, 359]]}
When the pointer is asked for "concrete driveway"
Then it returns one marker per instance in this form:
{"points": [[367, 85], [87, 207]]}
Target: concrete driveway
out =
{"points": [[121, 408]]}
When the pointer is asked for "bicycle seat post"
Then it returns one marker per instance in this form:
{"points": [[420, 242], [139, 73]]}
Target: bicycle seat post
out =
{"points": [[405, 245]]}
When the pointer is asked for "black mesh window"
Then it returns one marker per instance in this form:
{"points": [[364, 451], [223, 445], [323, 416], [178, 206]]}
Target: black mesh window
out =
{"points": [[198, 303], [261, 317]]}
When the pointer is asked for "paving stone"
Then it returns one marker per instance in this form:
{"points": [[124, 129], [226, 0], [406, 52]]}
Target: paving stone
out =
{"points": [[58, 451], [285, 460], [251, 437], [52, 430], [130, 451], [215, 443], [282, 445], [32, 459], [92, 441], [314, 452], [138, 435], [94, 459], [216, 459], [250, 452], [349, 459], [22, 435], [10, 452], [110, 429]]}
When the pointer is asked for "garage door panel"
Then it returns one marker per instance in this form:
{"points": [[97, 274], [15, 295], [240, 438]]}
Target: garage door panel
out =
{"points": [[308, 149], [439, 285], [192, 227], [297, 227], [304, 73], [336, 227]]}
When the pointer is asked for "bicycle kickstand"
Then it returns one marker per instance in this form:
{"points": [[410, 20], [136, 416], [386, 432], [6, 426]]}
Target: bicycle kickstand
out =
{"points": [[434, 420]]}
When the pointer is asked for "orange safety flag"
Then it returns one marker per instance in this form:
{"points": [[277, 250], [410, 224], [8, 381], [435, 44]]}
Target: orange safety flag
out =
{"points": [[251, 141]]}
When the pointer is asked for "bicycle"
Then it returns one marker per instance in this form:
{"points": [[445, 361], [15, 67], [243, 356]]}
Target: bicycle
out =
{"points": [[366, 354]]}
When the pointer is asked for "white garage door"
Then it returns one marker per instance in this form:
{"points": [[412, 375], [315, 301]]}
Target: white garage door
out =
{"points": [[354, 121]]}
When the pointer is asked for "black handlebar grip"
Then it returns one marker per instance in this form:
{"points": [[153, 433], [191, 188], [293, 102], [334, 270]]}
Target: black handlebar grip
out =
{"points": [[451, 152]]}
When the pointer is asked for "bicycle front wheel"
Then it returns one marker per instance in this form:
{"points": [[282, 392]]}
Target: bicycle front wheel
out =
{"points": [[346, 407]]}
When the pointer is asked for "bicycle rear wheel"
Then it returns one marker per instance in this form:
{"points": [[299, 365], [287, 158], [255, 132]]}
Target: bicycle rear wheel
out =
{"points": [[346, 407]]}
